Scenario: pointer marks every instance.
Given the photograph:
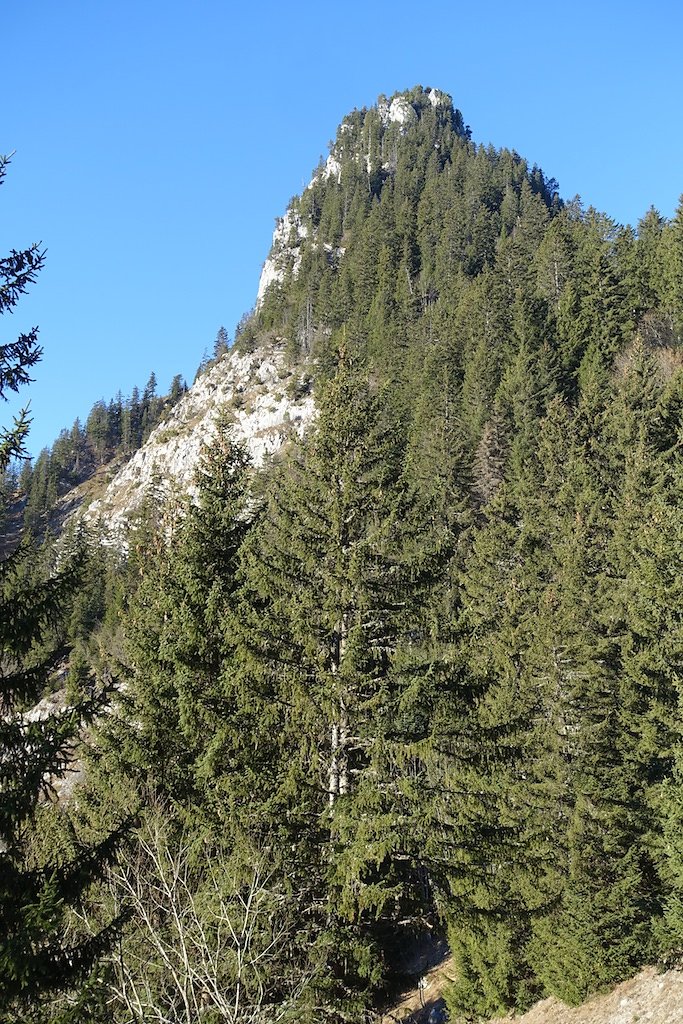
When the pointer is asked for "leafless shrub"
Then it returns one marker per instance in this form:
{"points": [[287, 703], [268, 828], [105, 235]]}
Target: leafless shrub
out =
{"points": [[202, 944]]}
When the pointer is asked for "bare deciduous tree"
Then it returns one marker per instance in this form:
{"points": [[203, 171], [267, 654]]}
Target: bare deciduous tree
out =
{"points": [[201, 944]]}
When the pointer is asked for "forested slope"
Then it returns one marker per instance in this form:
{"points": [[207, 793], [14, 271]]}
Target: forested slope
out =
{"points": [[420, 674]]}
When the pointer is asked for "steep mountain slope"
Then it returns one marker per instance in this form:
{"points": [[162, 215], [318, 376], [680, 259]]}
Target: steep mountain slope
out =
{"points": [[380, 247], [266, 399]]}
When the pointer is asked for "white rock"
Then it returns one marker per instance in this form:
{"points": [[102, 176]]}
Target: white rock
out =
{"points": [[270, 274], [332, 168], [401, 111], [252, 386], [287, 237]]}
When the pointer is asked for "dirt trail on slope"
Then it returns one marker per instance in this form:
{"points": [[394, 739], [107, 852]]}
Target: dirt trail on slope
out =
{"points": [[423, 1001]]}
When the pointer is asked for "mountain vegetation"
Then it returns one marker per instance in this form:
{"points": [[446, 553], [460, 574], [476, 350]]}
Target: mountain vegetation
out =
{"points": [[113, 431], [37, 892], [419, 675]]}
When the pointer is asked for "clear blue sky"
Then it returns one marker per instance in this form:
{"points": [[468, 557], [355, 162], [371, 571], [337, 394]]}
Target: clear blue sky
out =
{"points": [[157, 140]]}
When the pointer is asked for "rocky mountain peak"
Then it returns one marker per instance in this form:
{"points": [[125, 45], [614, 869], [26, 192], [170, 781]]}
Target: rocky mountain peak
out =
{"points": [[369, 140]]}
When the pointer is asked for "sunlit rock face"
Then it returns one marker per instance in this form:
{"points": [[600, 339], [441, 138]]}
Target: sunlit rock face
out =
{"points": [[267, 402]]}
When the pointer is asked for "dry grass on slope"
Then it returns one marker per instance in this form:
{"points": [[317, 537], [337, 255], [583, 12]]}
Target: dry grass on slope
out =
{"points": [[649, 998]]}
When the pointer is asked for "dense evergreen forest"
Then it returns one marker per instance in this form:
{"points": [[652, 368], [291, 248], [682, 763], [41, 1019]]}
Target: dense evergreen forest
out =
{"points": [[417, 676]]}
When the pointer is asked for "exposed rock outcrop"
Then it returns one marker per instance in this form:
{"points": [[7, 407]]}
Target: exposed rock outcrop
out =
{"points": [[268, 400]]}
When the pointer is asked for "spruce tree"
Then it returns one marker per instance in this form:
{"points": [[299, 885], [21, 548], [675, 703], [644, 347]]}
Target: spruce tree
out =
{"points": [[657, 609], [601, 928], [498, 773], [336, 580], [673, 268], [175, 627], [36, 954]]}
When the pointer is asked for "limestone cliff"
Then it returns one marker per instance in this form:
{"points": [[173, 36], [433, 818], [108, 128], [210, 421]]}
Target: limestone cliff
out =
{"points": [[268, 400]]}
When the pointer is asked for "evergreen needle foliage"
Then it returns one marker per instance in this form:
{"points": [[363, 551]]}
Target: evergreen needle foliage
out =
{"points": [[37, 954], [420, 674]]}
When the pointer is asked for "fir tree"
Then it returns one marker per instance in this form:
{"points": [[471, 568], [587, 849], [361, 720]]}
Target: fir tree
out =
{"points": [[499, 779], [602, 926], [336, 577], [673, 268], [36, 954], [222, 343]]}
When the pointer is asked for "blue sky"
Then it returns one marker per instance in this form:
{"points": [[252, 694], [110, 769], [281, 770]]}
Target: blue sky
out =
{"points": [[157, 141]]}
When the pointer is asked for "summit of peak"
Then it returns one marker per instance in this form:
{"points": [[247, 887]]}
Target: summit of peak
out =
{"points": [[367, 146], [407, 105]]}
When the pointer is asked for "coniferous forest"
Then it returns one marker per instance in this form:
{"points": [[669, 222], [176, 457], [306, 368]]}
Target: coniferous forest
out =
{"points": [[416, 678]]}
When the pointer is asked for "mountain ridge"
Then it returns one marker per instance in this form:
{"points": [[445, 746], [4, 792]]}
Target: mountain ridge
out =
{"points": [[364, 154], [172, 450]]}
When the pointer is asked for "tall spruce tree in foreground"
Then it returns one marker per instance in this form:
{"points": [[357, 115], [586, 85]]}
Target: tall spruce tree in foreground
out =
{"points": [[611, 703], [499, 779], [214, 932], [335, 598], [36, 957], [659, 609]]}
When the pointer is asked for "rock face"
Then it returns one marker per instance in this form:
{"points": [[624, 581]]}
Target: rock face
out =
{"points": [[400, 111], [268, 401], [287, 237]]}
